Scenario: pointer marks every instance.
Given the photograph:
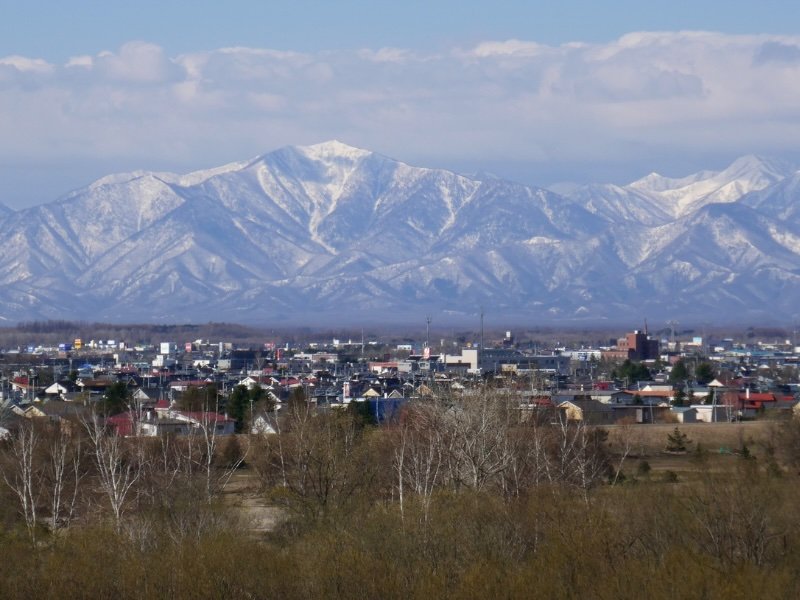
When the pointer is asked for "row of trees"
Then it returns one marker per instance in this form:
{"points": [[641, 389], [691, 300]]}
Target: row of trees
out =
{"points": [[681, 372], [483, 443], [465, 496], [725, 535], [64, 473]]}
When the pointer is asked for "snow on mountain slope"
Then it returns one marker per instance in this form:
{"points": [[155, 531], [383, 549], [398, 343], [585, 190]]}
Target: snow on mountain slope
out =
{"points": [[501, 213], [781, 201], [618, 204], [332, 232], [679, 197], [726, 258], [36, 246]]}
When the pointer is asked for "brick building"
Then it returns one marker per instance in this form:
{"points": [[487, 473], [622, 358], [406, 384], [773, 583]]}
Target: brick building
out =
{"points": [[636, 345]]}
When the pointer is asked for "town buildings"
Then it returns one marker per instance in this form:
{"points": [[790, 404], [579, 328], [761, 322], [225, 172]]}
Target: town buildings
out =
{"points": [[755, 379]]}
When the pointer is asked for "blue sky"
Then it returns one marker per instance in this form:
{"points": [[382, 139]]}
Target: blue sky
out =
{"points": [[538, 92], [57, 30]]}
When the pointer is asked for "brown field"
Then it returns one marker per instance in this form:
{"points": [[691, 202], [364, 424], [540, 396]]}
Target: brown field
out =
{"points": [[712, 436], [721, 443]]}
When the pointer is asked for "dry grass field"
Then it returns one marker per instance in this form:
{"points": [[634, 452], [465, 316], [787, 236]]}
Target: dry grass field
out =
{"points": [[651, 439], [721, 442]]}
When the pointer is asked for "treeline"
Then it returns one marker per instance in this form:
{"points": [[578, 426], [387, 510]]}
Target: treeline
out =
{"points": [[465, 497], [55, 332], [643, 543]]}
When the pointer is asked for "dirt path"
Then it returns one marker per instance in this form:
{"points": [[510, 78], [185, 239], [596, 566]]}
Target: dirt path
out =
{"points": [[243, 493]]}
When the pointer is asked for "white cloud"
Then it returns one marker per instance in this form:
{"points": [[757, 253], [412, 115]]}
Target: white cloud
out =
{"points": [[391, 55], [506, 48], [499, 100], [137, 63], [27, 65], [80, 61]]}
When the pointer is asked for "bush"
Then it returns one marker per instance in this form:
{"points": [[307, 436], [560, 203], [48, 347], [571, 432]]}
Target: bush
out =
{"points": [[669, 477]]}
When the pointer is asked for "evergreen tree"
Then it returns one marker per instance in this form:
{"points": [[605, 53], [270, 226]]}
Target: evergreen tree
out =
{"points": [[297, 396], [239, 405], [679, 372], [679, 397], [677, 441], [631, 371], [704, 373], [116, 399], [197, 399]]}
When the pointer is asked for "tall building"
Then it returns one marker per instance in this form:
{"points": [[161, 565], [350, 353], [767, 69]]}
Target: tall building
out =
{"points": [[636, 345]]}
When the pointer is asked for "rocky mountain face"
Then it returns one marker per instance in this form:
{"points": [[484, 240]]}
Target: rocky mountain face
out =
{"points": [[331, 234]]}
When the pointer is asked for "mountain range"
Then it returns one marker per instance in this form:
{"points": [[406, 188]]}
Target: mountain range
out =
{"points": [[329, 234]]}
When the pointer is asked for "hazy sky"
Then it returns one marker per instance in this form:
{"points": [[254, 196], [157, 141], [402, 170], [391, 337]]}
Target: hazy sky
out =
{"points": [[538, 92]]}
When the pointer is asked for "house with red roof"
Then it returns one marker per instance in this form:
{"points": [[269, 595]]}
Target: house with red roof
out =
{"points": [[751, 404], [165, 420]]}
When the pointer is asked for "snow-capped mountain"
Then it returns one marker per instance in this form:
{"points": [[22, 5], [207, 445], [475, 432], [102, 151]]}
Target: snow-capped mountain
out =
{"points": [[683, 196], [655, 199], [330, 232]]}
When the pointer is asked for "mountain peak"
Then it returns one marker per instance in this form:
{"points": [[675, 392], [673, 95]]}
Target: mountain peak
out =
{"points": [[752, 163], [333, 149], [651, 182]]}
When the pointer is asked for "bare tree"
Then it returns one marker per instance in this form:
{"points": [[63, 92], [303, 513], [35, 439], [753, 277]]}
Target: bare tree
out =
{"points": [[317, 463], [527, 457], [5, 412], [419, 453], [118, 468], [481, 426], [575, 454], [739, 519], [202, 451], [23, 475], [483, 442], [63, 468], [590, 457]]}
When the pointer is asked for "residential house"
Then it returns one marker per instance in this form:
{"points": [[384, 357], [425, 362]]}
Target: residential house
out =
{"points": [[587, 410], [685, 414], [60, 389]]}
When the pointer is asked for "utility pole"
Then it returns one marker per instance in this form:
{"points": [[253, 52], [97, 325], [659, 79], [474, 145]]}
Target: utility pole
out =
{"points": [[481, 342], [713, 405], [428, 331], [480, 347]]}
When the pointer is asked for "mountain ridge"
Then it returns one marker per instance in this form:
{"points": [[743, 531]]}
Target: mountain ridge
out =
{"points": [[331, 232]]}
